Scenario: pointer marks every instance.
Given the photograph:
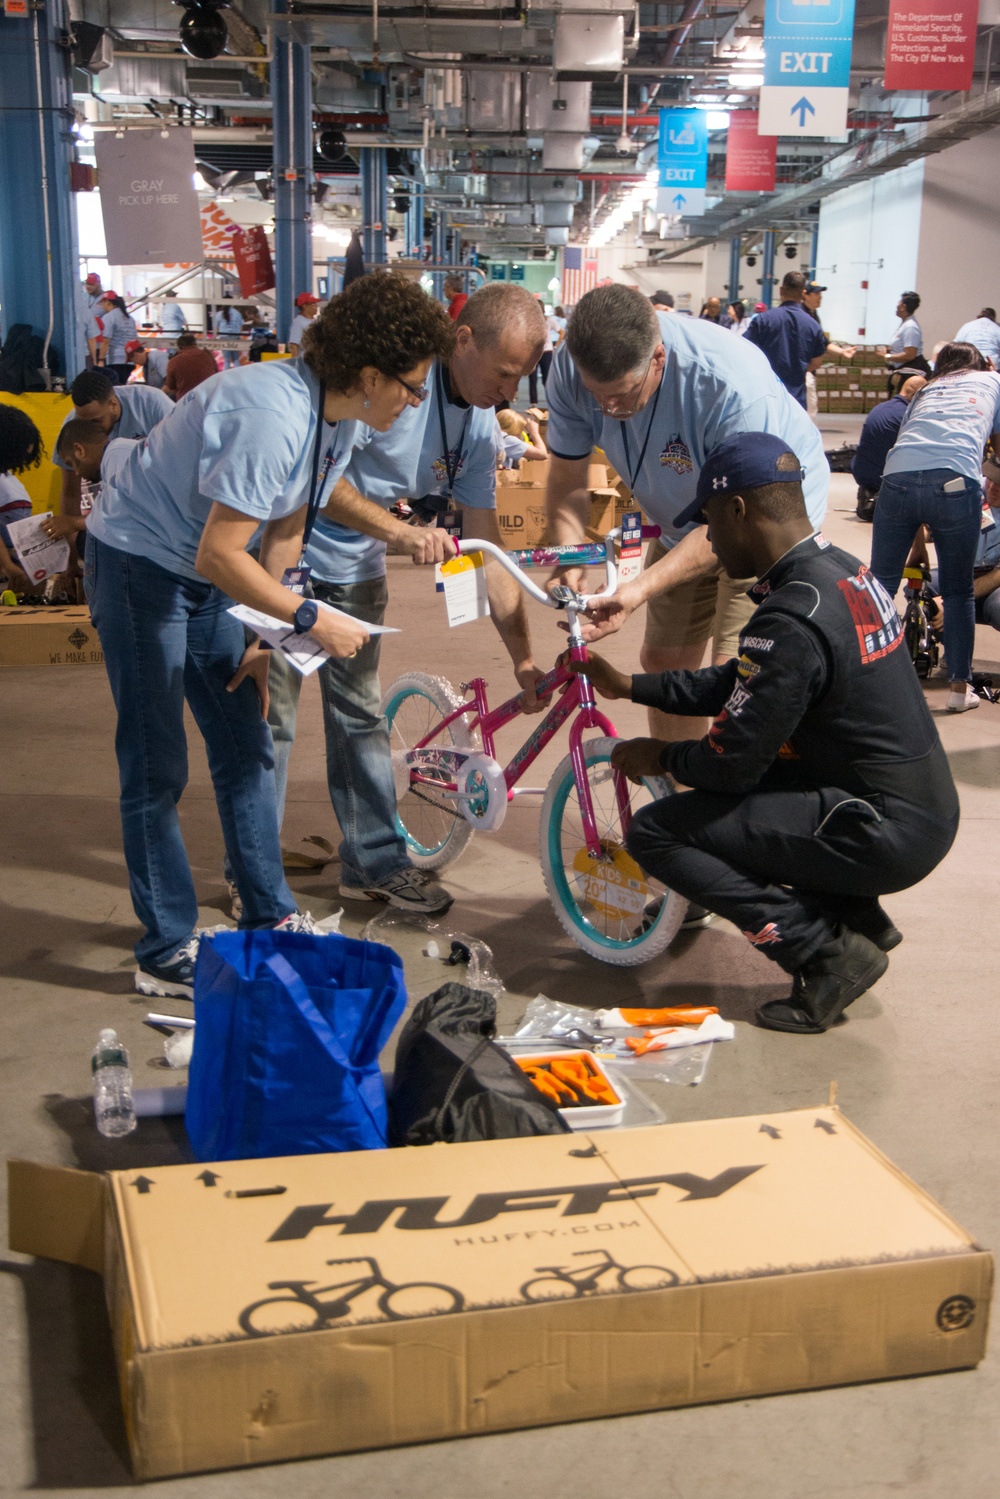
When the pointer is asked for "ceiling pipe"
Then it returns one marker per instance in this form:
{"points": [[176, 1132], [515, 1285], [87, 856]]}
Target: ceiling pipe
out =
{"points": [[689, 15]]}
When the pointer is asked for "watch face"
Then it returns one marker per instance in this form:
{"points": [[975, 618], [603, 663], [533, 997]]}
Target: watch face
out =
{"points": [[305, 616]]}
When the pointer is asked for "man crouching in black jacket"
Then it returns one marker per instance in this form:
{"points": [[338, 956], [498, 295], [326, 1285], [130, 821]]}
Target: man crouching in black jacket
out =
{"points": [[822, 783]]}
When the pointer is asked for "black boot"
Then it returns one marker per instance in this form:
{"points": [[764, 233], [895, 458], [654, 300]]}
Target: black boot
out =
{"points": [[868, 918], [825, 985]]}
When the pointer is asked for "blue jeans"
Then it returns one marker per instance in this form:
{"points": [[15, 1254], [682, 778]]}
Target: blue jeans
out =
{"points": [[907, 501], [358, 754], [166, 640]]}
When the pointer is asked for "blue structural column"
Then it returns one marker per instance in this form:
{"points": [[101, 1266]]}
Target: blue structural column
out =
{"points": [[39, 269], [291, 95], [439, 249], [374, 203], [767, 280], [415, 223], [814, 251], [735, 246]]}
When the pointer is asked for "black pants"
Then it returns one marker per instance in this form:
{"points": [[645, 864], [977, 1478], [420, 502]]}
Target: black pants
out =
{"points": [[541, 367], [738, 856]]}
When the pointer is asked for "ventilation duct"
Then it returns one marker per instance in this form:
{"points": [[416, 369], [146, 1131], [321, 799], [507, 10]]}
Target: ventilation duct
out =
{"points": [[554, 215], [588, 44], [494, 101], [562, 153], [558, 106], [557, 236]]}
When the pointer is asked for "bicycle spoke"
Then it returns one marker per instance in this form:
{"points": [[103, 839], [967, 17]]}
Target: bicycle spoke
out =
{"points": [[603, 903]]}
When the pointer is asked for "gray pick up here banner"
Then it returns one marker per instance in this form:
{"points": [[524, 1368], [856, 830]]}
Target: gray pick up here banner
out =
{"points": [[148, 197]]}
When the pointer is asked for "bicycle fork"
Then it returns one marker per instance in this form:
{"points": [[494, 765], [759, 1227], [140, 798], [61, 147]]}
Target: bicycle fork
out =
{"points": [[590, 717]]}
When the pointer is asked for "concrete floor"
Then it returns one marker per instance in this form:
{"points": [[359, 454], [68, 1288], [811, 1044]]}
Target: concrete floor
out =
{"points": [[915, 1063]]}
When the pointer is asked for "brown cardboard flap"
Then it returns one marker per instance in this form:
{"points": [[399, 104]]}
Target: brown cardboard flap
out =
{"points": [[57, 1213]]}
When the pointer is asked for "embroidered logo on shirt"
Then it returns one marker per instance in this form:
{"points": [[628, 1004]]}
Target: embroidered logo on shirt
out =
{"points": [[677, 455], [757, 643], [440, 468], [746, 667], [738, 699]]}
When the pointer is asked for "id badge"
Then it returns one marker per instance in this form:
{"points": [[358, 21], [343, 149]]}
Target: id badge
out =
{"points": [[296, 578]]}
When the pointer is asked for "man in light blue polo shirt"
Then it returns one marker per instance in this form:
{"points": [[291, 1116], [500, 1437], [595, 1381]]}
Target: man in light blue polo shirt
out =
{"points": [[441, 448], [984, 332], [656, 394]]}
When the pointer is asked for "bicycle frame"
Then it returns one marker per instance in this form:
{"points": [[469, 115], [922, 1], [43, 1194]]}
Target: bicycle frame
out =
{"points": [[576, 695]]}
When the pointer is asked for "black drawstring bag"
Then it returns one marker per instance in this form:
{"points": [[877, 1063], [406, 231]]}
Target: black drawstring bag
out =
{"points": [[453, 1083]]}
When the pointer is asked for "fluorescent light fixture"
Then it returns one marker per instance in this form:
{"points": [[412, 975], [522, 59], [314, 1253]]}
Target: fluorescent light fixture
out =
{"points": [[718, 119], [746, 80]]}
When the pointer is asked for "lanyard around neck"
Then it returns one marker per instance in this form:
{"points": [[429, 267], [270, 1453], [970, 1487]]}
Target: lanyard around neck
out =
{"points": [[316, 483], [633, 473], [451, 467]]}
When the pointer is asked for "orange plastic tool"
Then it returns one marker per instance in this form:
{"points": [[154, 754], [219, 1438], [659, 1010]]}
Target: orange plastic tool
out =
{"points": [[547, 1084], [679, 1015], [640, 1045], [585, 1079]]}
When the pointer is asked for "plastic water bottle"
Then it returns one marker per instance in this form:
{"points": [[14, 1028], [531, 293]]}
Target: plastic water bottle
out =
{"points": [[113, 1107]]}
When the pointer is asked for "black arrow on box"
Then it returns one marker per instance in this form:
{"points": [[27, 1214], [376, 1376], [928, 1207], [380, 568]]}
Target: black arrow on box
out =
{"points": [[142, 1184], [823, 1124], [208, 1177]]}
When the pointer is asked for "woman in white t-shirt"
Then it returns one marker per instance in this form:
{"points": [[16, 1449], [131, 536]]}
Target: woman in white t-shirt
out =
{"points": [[555, 327], [20, 449]]}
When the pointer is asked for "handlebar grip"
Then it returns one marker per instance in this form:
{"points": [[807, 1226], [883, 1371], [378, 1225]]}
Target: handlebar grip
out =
{"points": [[651, 533]]}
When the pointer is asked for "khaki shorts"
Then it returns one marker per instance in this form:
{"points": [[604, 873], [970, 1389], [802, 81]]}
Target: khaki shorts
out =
{"points": [[713, 607]]}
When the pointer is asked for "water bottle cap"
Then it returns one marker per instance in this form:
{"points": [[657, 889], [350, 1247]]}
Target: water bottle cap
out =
{"points": [[109, 1036]]}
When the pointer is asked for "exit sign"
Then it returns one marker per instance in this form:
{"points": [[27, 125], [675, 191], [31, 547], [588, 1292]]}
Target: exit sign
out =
{"points": [[15, 7]]}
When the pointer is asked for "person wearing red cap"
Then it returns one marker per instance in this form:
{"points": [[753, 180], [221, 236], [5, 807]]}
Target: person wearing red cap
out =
{"points": [[308, 306], [90, 315], [152, 362], [118, 329]]}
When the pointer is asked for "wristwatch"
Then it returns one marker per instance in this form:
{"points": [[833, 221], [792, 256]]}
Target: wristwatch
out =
{"points": [[305, 617]]}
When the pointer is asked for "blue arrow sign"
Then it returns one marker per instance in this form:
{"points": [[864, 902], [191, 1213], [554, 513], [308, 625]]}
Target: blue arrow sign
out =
{"points": [[679, 201], [800, 109]]}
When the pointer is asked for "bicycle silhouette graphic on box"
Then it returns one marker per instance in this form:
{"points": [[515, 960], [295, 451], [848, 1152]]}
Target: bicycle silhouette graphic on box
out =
{"points": [[304, 1309]]}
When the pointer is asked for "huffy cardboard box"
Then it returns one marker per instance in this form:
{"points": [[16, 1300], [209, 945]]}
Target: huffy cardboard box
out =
{"points": [[48, 636], [520, 512], [274, 1309]]}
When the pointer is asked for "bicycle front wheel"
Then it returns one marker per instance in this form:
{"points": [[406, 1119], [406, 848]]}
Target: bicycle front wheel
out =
{"points": [[279, 1314], [430, 822], [646, 1278], [608, 905], [420, 1299]]}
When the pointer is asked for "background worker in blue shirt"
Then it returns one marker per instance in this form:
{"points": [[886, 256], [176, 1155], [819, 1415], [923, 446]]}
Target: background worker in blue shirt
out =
{"points": [[878, 434], [983, 331], [791, 337]]}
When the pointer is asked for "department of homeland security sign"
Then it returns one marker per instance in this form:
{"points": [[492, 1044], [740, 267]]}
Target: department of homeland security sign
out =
{"points": [[682, 162], [807, 67]]}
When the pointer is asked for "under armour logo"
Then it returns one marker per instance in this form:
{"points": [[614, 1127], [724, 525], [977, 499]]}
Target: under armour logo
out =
{"points": [[722, 483]]}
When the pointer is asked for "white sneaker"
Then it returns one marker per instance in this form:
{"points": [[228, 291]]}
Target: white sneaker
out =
{"points": [[300, 921], [961, 702]]}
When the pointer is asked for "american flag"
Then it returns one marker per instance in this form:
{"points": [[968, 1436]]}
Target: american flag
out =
{"points": [[578, 275]]}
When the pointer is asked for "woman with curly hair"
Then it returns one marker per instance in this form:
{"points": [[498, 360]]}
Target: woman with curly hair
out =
{"points": [[20, 449], [167, 554]]}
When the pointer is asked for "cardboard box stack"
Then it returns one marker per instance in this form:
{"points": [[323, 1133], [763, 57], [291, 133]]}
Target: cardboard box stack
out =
{"points": [[521, 503], [854, 388], [48, 635]]}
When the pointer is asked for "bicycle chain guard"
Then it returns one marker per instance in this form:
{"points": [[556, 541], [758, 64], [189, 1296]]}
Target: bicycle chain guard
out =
{"points": [[481, 794]]}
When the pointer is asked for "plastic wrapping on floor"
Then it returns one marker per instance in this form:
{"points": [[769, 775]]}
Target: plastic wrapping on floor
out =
{"points": [[469, 959], [639, 1109], [549, 1020]]}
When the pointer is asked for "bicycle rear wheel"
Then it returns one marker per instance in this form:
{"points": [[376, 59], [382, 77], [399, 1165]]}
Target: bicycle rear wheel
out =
{"points": [[608, 905], [434, 829]]}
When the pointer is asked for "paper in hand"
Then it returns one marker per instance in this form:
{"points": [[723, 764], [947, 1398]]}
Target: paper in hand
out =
{"points": [[38, 554], [302, 652]]}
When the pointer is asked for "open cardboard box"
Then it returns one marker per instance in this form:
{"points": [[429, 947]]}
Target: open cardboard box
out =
{"points": [[521, 512], [275, 1309], [48, 635]]}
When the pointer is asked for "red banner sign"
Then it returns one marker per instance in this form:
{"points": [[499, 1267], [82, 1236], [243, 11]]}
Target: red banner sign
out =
{"points": [[253, 261], [928, 47], [751, 159]]}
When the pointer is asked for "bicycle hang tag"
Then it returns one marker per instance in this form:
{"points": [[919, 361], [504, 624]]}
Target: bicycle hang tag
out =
{"points": [[463, 580], [630, 555]]}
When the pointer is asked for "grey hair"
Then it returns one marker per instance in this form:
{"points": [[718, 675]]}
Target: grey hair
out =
{"points": [[613, 331], [499, 309]]}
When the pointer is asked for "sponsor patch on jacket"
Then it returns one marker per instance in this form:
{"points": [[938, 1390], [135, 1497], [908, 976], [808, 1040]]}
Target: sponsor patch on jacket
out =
{"points": [[756, 643], [738, 699], [765, 936], [746, 668], [878, 627]]}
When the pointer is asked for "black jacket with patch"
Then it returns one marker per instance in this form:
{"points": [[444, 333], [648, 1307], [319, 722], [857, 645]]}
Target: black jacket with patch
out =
{"points": [[823, 693]]}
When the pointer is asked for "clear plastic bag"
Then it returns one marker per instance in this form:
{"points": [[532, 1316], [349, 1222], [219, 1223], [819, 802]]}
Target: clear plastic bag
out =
{"points": [[549, 1020], [478, 973]]}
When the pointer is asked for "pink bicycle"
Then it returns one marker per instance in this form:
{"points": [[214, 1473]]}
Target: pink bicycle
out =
{"points": [[449, 782]]}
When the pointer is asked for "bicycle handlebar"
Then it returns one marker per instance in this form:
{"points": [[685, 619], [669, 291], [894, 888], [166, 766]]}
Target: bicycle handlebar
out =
{"points": [[572, 554]]}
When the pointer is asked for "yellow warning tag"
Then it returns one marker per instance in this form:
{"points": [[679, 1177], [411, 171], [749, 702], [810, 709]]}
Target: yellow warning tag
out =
{"points": [[613, 884]]}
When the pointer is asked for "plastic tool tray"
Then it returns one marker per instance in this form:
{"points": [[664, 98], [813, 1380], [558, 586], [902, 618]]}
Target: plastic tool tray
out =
{"points": [[578, 1084]]}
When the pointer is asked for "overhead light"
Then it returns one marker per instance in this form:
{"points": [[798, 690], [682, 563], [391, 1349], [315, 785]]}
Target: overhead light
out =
{"points": [[554, 284], [202, 30], [746, 80], [332, 145], [200, 185], [717, 119]]}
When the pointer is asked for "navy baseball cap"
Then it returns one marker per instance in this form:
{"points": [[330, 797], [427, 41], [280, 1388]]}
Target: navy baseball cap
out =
{"points": [[743, 462], [815, 286]]}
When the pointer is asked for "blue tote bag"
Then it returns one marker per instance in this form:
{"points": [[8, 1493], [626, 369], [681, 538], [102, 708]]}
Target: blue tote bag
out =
{"points": [[288, 1031]]}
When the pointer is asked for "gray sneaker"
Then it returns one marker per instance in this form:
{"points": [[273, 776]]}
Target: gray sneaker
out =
{"points": [[408, 889]]}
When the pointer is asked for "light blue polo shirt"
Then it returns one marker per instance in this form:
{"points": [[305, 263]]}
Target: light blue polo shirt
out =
{"points": [[947, 425], [408, 462], [907, 336], [142, 407], [985, 334], [244, 438], [714, 386]]}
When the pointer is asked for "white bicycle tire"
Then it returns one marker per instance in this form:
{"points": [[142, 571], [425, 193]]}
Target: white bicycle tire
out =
{"points": [[440, 692]]}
